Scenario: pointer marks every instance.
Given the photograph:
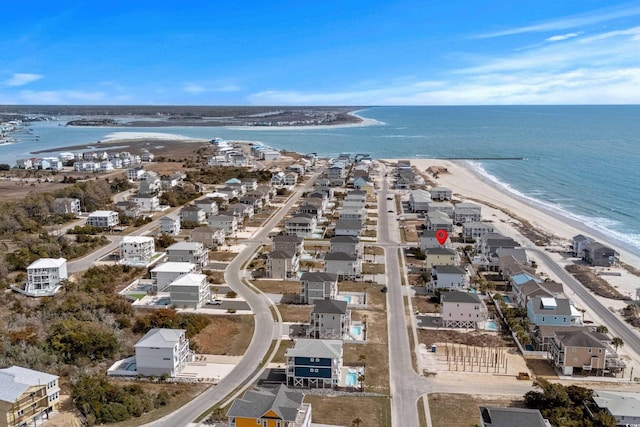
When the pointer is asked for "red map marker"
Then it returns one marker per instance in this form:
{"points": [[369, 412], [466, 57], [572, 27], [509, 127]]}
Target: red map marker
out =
{"points": [[442, 236]]}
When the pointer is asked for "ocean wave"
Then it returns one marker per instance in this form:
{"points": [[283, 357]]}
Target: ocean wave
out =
{"points": [[601, 226]]}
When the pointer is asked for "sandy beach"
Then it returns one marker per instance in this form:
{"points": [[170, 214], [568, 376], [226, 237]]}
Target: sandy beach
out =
{"points": [[466, 183]]}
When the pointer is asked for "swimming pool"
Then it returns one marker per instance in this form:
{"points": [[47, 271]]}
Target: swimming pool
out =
{"points": [[163, 301], [346, 298], [356, 330], [351, 379], [506, 298], [491, 325]]}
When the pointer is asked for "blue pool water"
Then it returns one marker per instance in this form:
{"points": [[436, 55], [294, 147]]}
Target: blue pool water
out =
{"points": [[473, 291], [346, 298], [506, 298], [351, 379], [492, 325], [356, 330], [164, 301]]}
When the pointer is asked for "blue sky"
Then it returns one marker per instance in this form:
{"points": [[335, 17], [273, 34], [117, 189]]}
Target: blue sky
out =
{"points": [[436, 52]]}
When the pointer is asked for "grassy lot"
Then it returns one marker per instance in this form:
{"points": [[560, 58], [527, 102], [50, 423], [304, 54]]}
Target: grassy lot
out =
{"points": [[369, 233], [372, 411], [284, 345], [541, 368], [478, 339], [372, 268], [374, 250], [227, 335], [376, 350], [277, 286], [181, 395], [424, 305], [461, 410], [294, 313], [222, 256]]}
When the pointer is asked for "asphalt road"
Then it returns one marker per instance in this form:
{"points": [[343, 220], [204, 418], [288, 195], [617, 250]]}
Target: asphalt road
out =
{"points": [[265, 327], [615, 325], [406, 385]]}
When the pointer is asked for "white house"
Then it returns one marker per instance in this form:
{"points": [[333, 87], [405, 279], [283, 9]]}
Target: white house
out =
{"points": [[441, 193], [461, 310], [190, 291], [163, 274], [163, 351], [103, 219], [228, 223], [475, 230], [449, 277], [44, 277], [149, 203], [137, 250], [67, 205], [467, 212], [170, 225], [302, 225]]}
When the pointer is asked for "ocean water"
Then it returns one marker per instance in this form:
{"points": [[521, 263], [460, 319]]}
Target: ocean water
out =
{"points": [[579, 161]]}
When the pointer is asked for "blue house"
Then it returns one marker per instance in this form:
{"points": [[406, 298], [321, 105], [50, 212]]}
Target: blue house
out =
{"points": [[553, 312], [314, 363]]}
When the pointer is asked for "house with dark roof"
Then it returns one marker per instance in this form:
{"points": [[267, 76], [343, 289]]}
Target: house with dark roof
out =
{"points": [[288, 243], [450, 277], [282, 264], [317, 285], [579, 244], [329, 319], [314, 363], [511, 417], [279, 406], [302, 225], [441, 256], [600, 255], [348, 227], [347, 244], [577, 351], [462, 310]]}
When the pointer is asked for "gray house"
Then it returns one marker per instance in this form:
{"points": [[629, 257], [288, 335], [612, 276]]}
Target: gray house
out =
{"points": [[317, 285], [346, 266], [600, 255], [329, 319], [347, 244]]}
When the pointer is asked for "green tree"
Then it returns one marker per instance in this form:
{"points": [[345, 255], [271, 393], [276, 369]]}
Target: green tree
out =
{"points": [[356, 422], [617, 342], [602, 329]]}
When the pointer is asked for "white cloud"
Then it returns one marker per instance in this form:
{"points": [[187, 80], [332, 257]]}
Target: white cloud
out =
{"points": [[195, 88], [21, 79], [563, 37], [573, 21], [192, 88], [60, 97]]}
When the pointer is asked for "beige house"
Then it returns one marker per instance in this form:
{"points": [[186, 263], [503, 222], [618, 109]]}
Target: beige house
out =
{"points": [[577, 352], [27, 397], [441, 256], [282, 265], [210, 237]]}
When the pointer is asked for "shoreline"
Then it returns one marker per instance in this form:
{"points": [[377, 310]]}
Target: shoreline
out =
{"points": [[468, 182]]}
